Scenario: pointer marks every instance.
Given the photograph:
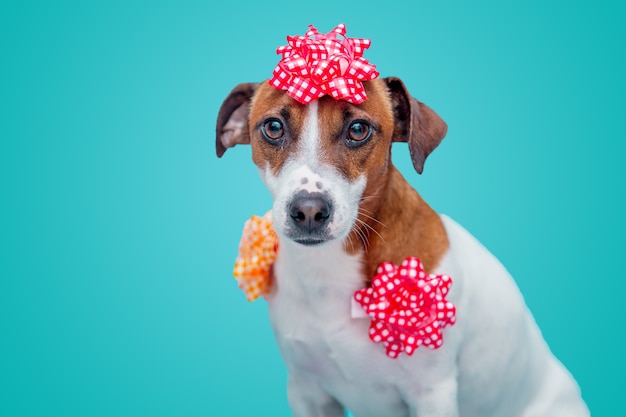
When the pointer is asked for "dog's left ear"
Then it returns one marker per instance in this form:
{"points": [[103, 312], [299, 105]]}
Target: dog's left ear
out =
{"points": [[416, 123], [232, 119]]}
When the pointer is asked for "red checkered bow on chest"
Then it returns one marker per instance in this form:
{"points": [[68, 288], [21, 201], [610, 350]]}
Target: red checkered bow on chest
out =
{"points": [[318, 64], [408, 307]]}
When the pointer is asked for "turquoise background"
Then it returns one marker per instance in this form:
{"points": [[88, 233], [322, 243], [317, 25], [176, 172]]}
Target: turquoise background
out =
{"points": [[119, 226]]}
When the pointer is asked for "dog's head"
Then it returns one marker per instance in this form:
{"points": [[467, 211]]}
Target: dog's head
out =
{"points": [[327, 162]]}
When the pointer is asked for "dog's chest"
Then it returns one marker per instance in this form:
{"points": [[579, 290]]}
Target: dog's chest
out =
{"points": [[310, 308], [310, 311]]}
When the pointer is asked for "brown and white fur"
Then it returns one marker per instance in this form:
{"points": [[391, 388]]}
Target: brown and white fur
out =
{"points": [[340, 208]]}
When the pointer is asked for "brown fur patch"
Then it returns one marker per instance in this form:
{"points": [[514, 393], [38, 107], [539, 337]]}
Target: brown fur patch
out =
{"points": [[399, 224], [394, 222], [267, 103]]}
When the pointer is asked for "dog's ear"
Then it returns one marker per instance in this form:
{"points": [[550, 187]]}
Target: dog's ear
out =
{"points": [[416, 123], [232, 119]]}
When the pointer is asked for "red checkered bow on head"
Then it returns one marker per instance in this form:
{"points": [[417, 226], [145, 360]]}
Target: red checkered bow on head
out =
{"points": [[318, 64], [408, 307]]}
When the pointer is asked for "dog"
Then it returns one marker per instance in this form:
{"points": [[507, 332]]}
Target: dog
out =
{"points": [[340, 208]]}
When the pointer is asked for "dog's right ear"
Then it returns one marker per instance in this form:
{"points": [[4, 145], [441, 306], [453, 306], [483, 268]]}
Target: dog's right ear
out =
{"points": [[416, 123], [232, 119]]}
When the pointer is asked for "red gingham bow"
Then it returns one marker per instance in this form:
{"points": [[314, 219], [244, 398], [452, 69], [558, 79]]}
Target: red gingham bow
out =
{"points": [[316, 64], [408, 308]]}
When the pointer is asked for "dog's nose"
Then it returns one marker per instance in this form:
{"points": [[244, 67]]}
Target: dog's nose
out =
{"points": [[309, 211]]}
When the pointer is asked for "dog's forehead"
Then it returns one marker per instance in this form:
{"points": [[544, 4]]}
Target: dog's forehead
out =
{"points": [[270, 101]]}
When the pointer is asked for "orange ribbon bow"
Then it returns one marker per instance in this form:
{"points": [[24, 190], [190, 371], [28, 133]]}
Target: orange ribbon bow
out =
{"points": [[257, 252]]}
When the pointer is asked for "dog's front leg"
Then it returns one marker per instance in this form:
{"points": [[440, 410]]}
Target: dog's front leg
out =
{"points": [[308, 399], [434, 400]]}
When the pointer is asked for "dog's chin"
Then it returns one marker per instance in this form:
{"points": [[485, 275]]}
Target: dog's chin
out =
{"points": [[312, 241], [289, 232], [308, 240]]}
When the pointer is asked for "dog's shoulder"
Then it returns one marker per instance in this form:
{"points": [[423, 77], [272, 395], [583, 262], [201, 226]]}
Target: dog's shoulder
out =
{"points": [[475, 271]]}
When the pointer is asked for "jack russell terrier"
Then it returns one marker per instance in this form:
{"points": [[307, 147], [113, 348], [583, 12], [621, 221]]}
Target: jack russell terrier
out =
{"points": [[340, 210]]}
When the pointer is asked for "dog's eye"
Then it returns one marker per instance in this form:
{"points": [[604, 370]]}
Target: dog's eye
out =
{"points": [[273, 130], [358, 132]]}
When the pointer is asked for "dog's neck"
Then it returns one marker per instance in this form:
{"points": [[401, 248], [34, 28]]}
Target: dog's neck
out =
{"points": [[394, 223], [399, 223]]}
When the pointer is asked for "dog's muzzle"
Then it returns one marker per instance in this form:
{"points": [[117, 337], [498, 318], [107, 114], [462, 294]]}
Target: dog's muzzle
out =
{"points": [[309, 216]]}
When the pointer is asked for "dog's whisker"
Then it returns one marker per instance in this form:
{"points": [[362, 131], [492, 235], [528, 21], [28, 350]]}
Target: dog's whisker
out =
{"points": [[361, 209], [372, 229], [360, 233], [350, 240], [371, 218], [359, 223], [365, 198], [362, 199]]}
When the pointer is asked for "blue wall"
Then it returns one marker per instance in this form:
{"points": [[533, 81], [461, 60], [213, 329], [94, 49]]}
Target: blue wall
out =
{"points": [[119, 226]]}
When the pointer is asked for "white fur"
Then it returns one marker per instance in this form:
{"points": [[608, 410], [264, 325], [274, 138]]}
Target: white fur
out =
{"points": [[493, 363]]}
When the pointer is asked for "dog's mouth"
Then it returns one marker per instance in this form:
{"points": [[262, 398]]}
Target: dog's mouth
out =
{"points": [[310, 241], [307, 238]]}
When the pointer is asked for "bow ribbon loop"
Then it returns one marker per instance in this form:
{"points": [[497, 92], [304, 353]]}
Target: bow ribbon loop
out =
{"points": [[315, 65]]}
